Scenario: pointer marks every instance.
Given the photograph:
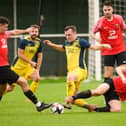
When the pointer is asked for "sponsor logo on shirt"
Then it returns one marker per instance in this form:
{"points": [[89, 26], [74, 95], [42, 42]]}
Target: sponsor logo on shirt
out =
{"points": [[4, 46], [117, 25], [112, 34]]}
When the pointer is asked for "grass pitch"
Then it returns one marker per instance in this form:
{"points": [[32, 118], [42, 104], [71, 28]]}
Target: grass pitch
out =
{"points": [[15, 111]]}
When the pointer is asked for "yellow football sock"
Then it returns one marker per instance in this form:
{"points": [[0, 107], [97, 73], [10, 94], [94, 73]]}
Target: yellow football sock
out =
{"points": [[80, 102], [70, 88], [33, 86]]}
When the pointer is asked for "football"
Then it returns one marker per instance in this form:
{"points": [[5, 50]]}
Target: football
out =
{"points": [[57, 108]]}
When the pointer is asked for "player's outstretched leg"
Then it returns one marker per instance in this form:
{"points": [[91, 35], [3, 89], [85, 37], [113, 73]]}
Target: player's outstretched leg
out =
{"points": [[39, 105], [75, 98], [33, 88], [29, 94]]}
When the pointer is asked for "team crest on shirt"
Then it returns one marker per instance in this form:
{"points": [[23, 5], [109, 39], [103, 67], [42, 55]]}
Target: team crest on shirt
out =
{"points": [[77, 45], [117, 25]]}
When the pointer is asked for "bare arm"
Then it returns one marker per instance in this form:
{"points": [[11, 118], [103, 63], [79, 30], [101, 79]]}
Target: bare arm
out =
{"points": [[18, 31], [22, 56], [39, 61], [95, 37], [55, 46], [36, 75], [100, 46]]}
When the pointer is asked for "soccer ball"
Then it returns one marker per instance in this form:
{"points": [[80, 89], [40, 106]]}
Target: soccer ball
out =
{"points": [[57, 108]]}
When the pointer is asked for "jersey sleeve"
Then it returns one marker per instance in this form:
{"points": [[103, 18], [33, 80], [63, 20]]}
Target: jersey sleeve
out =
{"points": [[63, 45], [98, 25], [84, 43], [40, 49], [22, 44], [122, 23]]}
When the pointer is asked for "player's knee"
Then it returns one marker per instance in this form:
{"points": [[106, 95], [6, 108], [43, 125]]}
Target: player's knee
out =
{"points": [[115, 109], [36, 79], [22, 81], [69, 78], [72, 78]]}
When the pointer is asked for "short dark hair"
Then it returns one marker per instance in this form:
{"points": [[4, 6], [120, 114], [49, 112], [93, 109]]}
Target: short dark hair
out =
{"points": [[73, 27], [4, 20], [107, 3], [35, 26]]}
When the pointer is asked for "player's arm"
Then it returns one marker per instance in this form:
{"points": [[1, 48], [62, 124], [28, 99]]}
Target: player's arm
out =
{"points": [[55, 46], [85, 44], [39, 61], [122, 23], [23, 57], [95, 30], [120, 71], [39, 56], [18, 31], [38, 65], [95, 37], [99, 46]]}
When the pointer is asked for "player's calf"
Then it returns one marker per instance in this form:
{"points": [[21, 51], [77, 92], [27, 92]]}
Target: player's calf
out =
{"points": [[29, 94], [115, 110], [10, 88], [83, 94]]}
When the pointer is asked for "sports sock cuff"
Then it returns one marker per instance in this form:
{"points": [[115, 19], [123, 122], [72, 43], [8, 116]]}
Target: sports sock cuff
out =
{"points": [[38, 104], [102, 109], [83, 94], [74, 97], [29, 94]]}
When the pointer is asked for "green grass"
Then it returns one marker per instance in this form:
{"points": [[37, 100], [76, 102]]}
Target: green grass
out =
{"points": [[15, 111]]}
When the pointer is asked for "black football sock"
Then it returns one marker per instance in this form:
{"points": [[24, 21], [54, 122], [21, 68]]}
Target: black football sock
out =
{"points": [[102, 109], [83, 94], [0, 98], [29, 94]]}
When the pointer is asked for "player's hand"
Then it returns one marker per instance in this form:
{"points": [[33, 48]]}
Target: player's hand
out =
{"points": [[108, 46], [33, 64], [48, 42], [124, 80], [69, 100]]}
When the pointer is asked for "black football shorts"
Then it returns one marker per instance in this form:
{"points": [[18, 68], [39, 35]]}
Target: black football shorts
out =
{"points": [[7, 75]]}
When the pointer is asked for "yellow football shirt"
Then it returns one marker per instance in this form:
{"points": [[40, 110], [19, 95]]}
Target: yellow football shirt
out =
{"points": [[30, 50], [75, 53]]}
